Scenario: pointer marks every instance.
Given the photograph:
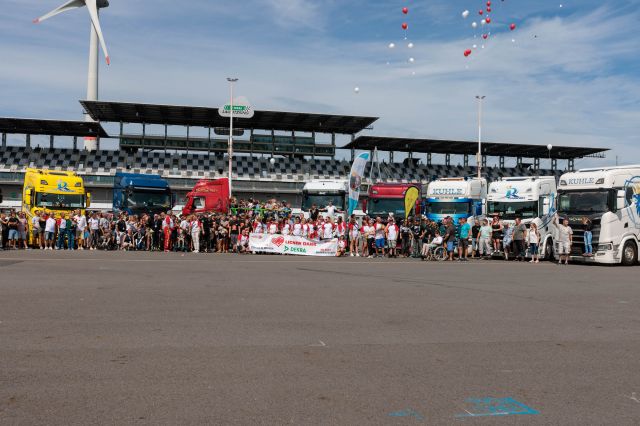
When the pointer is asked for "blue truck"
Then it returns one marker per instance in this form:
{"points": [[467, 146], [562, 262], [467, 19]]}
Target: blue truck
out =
{"points": [[136, 194]]}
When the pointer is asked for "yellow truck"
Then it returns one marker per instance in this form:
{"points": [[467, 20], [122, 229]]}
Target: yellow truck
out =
{"points": [[54, 192]]}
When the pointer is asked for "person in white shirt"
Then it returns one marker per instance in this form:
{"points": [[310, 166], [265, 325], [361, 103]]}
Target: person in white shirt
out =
{"points": [[286, 228], [195, 229], [328, 229], [391, 232], [565, 239], [38, 233], [94, 230], [49, 232], [435, 243], [297, 228], [273, 227], [81, 226]]}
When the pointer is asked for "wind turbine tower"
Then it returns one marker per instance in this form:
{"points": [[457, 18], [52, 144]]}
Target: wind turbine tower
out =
{"points": [[93, 7]]}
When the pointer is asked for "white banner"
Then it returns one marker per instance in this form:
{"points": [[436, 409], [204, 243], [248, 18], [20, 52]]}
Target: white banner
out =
{"points": [[288, 244]]}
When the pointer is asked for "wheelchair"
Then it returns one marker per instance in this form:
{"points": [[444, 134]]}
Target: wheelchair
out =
{"points": [[437, 254]]}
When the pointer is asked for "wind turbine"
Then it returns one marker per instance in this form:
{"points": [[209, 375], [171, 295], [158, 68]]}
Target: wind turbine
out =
{"points": [[93, 7]]}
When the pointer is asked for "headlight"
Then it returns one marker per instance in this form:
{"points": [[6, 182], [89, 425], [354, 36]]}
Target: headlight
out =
{"points": [[605, 247]]}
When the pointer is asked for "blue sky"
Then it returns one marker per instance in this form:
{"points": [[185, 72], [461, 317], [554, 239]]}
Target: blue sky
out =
{"points": [[572, 76]]}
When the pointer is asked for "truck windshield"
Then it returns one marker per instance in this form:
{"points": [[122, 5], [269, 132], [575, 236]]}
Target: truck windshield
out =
{"points": [[147, 200], [60, 201], [595, 201], [509, 211], [384, 206], [449, 208], [322, 200]]}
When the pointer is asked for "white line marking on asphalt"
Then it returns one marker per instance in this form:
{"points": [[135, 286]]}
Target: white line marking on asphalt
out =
{"points": [[322, 344], [633, 397]]}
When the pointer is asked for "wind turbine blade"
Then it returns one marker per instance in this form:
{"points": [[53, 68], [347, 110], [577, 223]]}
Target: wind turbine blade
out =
{"points": [[93, 12], [72, 4]]}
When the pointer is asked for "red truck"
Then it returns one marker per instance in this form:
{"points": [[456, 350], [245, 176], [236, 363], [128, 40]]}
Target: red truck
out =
{"points": [[208, 196], [385, 198]]}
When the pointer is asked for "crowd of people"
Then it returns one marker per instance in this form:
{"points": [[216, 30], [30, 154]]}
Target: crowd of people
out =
{"points": [[416, 237]]}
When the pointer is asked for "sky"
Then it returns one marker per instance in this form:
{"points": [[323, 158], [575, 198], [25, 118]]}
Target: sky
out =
{"points": [[567, 75]]}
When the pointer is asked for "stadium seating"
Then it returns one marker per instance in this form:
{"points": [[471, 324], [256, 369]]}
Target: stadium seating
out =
{"points": [[195, 166]]}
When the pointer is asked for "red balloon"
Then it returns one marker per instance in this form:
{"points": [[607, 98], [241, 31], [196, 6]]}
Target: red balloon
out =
{"points": [[488, 20], [489, 4], [404, 26], [480, 12], [485, 36], [488, 10], [405, 10], [512, 26], [467, 52]]}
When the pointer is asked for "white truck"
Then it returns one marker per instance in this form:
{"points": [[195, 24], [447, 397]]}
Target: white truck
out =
{"points": [[321, 192], [455, 197], [610, 198], [532, 199]]}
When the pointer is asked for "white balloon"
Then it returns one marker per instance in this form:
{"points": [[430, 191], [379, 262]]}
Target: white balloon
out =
{"points": [[411, 60], [392, 45], [483, 22], [410, 45], [475, 46], [465, 14], [357, 90], [272, 161], [549, 147], [474, 25]]}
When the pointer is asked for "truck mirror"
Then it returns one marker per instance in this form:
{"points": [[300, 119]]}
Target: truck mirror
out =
{"points": [[88, 199], [621, 200], [174, 200], [546, 203]]}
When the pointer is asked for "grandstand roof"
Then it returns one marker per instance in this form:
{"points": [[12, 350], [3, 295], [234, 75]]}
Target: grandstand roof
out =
{"points": [[29, 126], [209, 117], [469, 148]]}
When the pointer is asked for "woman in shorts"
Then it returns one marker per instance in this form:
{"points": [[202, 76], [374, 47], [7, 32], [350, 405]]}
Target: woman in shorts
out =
{"points": [[496, 233], [533, 239]]}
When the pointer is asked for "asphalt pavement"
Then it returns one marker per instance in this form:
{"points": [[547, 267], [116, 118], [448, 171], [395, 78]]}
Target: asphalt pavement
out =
{"points": [[152, 338]]}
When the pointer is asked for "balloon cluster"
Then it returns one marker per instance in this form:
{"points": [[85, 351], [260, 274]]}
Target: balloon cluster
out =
{"points": [[405, 28], [485, 13]]}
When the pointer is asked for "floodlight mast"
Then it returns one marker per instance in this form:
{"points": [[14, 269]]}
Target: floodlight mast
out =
{"points": [[230, 155], [479, 157], [96, 38]]}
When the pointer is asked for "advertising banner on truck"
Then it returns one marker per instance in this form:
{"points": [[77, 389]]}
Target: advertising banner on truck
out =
{"points": [[289, 244]]}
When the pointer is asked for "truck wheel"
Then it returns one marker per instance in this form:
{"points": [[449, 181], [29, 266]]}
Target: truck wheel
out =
{"points": [[629, 254], [548, 251]]}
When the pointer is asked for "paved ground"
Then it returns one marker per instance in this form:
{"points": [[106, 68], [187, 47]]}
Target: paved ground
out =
{"points": [[137, 338]]}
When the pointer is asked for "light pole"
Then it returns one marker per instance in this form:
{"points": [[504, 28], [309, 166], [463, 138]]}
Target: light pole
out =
{"points": [[479, 158], [231, 82]]}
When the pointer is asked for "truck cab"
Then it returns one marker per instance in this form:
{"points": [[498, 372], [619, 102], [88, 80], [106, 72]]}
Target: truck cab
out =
{"points": [[455, 197], [321, 192], [136, 194], [610, 198], [208, 196], [530, 198], [54, 192], [386, 198]]}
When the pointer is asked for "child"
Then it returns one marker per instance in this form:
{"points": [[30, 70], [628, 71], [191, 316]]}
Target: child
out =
{"points": [[342, 247]]}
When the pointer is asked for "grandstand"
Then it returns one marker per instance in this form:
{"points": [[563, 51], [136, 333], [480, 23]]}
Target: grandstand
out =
{"points": [[185, 159]]}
